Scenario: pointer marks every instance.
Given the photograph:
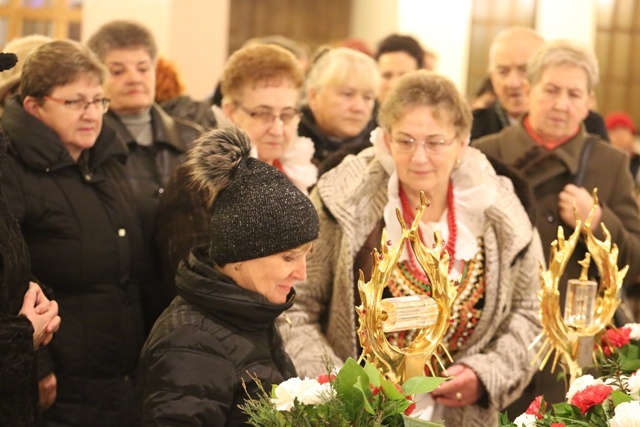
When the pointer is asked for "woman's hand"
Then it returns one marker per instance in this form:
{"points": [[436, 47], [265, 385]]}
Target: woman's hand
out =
{"points": [[42, 313], [583, 200], [48, 387], [464, 388]]}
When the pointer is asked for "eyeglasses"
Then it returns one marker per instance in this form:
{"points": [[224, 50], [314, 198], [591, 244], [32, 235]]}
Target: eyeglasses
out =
{"points": [[102, 104], [267, 117], [432, 146]]}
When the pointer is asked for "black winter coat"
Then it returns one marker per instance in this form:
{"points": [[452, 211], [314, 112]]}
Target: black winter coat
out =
{"points": [[201, 348], [18, 383], [324, 144], [148, 169], [82, 232]]}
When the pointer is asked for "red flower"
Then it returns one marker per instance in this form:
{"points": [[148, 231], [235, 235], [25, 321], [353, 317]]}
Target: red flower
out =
{"points": [[410, 409], [615, 338], [592, 395], [557, 425], [618, 337], [537, 408], [324, 378]]}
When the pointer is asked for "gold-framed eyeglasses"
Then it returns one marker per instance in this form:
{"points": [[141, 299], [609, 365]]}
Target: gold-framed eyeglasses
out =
{"points": [[407, 145], [266, 116], [102, 104]]}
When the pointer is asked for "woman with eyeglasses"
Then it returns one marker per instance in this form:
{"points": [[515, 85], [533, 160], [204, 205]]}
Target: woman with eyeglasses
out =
{"points": [[422, 146], [261, 86], [65, 184]]}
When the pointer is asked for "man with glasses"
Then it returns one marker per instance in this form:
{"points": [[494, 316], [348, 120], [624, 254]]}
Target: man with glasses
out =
{"points": [[155, 141], [261, 86]]}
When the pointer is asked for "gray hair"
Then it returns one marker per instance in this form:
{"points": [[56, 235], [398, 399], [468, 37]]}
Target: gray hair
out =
{"points": [[336, 66], [122, 35], [563, 52]]}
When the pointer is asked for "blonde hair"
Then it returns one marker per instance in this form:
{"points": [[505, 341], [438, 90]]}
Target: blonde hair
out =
{"points": [[423, 88], [336, 66]]}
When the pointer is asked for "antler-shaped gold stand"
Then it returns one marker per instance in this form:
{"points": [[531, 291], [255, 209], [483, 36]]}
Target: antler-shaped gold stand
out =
{"points": [[399, 364], [556, 336]]}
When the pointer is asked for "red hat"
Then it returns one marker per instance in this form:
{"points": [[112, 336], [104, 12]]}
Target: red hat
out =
{"points": [[619, 119]]}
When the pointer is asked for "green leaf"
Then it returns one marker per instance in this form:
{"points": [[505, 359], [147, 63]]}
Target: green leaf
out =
{"points": [[390, 391], [373, 374], [504, 420], [352, 387], [365, 401], [419, 385], [630, 358], [565, 409], [618, 397]]}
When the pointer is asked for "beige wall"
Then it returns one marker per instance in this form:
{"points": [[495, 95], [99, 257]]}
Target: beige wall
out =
{"points": [[193, 33], [445, 26]]}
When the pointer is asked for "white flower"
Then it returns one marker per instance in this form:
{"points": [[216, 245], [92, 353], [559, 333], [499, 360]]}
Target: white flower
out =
{"points": [[525, 420], [634, 385], [316, 394], [627, 414], [635, 330], [307, 391], [580, 384]]}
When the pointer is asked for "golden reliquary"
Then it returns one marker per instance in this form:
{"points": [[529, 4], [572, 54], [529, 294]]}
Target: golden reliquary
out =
{"points": [[430, 316], [589, 306]]}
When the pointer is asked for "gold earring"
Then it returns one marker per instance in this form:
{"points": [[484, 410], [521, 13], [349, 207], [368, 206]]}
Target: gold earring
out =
{"points": [[457, 164]]}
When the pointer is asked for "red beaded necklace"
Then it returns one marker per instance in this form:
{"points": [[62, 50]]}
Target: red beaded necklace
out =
{"points": [[408, 215]]}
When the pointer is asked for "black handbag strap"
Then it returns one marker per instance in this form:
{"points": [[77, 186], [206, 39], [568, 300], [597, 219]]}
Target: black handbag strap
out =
{"points": [[584, 158]]}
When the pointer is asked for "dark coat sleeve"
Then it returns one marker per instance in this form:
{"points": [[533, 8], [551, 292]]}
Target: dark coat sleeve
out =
{"points": [[18, 385], [182, 386]]}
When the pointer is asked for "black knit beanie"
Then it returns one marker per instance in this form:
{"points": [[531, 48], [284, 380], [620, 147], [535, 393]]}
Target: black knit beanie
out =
{"points": [[257, 210]]}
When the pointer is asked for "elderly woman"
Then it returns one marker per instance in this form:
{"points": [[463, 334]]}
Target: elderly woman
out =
{"points": [[155, 142], [261, 86], [422, 146], [563, 163], [341, 90], [219, 334], [65, 183]]}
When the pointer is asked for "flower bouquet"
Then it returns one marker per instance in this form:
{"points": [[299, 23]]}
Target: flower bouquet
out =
{"points": [[619, 348], [355, 396], [610, 401]]}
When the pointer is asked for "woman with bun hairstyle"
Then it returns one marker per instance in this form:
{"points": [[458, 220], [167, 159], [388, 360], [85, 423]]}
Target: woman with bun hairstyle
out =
{"points": [[219, 333]]}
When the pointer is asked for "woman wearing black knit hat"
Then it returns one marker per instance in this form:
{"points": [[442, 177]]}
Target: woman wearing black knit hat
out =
{"points": [[219, 332]]}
